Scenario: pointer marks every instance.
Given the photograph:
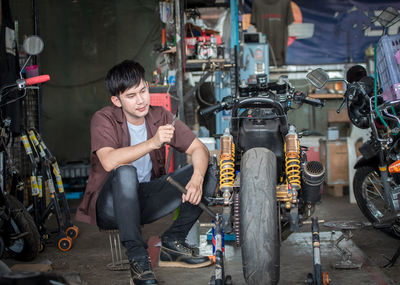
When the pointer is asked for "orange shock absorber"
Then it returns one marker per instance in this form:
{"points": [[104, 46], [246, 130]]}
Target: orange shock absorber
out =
{"points": [[227, 166], [292, 158]]}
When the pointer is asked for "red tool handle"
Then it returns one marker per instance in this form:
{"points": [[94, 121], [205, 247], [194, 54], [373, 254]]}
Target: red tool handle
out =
{"points": [[37, 79], [163, 37]]}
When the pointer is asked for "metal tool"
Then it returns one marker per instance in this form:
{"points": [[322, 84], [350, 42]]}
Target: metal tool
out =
{"points": [[183, 190], [174, 119], [319, 277], [168, 163]]}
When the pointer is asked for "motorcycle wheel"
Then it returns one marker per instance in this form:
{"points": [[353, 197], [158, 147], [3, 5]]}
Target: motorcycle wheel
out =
{"points": [[27, 247], [368, 191], [258, 217]]}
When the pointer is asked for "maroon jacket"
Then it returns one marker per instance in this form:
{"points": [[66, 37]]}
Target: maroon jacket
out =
{"points": [[108, 128]]}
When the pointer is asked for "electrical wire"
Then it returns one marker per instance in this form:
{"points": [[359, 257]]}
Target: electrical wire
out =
{"points": [[4, 87], [13, 100], [198, 93]]}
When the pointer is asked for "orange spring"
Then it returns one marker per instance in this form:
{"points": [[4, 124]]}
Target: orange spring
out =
{"points": [[227, 169], [292, 165]]}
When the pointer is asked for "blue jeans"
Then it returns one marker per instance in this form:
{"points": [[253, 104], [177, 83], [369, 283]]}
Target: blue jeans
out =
{"points": [[126, 204]]}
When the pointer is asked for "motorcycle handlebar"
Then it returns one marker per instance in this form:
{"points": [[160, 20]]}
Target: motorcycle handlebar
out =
{"points": [[300, 97], [313, 102], [261, 101], [211, 109], [37, 79]]}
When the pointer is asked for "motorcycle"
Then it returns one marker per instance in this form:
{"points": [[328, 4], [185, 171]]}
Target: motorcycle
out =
{"points": [[377, 177], [19, 236], [275, 189]]}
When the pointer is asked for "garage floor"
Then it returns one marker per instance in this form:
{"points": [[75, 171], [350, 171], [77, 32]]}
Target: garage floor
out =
{"points": [[86, 262]]}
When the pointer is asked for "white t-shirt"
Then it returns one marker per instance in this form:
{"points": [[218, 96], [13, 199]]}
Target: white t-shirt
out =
{"points": [[143, 165]]}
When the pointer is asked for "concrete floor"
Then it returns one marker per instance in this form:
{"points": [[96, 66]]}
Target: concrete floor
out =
{"points": [[90, 254]]}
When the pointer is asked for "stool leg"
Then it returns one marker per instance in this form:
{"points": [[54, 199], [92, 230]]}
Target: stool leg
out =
{"points": [[119, 248], [111, 248], [118, 263], [115, 248]]}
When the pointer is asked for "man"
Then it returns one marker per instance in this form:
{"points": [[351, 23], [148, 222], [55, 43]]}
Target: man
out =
{"points": [[127, 184]]}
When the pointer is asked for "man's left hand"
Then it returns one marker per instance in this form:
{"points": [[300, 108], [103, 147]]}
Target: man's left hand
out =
{"points": [[194, 190]]}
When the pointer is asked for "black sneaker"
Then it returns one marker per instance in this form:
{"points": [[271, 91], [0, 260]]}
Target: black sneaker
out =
{"points": [[142, 273], [180, 254]]}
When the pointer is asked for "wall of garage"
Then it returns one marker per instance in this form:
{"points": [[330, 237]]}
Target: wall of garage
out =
{"points": [[83, 39]]}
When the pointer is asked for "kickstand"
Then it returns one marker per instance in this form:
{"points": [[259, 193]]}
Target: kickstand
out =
{"points": [[393, 260]]}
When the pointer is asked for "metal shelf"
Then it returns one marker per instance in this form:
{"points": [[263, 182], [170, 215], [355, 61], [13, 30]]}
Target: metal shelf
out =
{"points": [[326, 96]]}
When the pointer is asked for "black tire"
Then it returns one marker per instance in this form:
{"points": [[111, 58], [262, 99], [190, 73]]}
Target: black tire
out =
{"points": [[258, 217], [27, 247], [368, 191]]}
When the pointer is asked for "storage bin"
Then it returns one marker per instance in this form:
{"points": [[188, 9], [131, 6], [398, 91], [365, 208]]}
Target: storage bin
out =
{"points": [[333, 133], [388, 68]]}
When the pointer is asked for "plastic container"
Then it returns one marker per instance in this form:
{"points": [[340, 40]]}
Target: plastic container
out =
{"points": [[388, 67], [32, 71], [161, 99], [333, 133], [210, 142]]}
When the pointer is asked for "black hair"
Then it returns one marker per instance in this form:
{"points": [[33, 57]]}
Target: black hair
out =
{"points": [[123, 76]]}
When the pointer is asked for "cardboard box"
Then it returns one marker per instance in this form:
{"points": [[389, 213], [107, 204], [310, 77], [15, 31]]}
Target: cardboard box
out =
{"points": [[334, 117], [334, 157], [335, 190]]}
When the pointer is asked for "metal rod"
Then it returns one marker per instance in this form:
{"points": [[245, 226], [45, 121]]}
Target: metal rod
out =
{"points": [[36, 61], [119, 248], [180, 56], [111, 248], [183, 190], [115, 248], [316, 252]]}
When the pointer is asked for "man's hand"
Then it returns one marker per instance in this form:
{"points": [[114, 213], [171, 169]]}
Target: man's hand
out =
{"points": [[163, 135], [194, 190]]}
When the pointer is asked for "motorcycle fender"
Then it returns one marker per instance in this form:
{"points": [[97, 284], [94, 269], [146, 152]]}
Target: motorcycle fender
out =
{"points": [[372, 162]]}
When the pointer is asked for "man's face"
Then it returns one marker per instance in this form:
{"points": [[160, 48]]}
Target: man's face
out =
{"points": [[134, 102]]}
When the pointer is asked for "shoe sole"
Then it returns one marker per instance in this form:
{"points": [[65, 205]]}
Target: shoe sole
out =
{"points": [[133, 283], [182, 264]]}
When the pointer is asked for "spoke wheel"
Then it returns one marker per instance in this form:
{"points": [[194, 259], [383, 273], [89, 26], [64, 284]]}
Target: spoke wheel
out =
{"points": [[369, 194]]}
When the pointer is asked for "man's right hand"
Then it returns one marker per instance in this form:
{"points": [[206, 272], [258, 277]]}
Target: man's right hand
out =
{"points": [[163, 135]]}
